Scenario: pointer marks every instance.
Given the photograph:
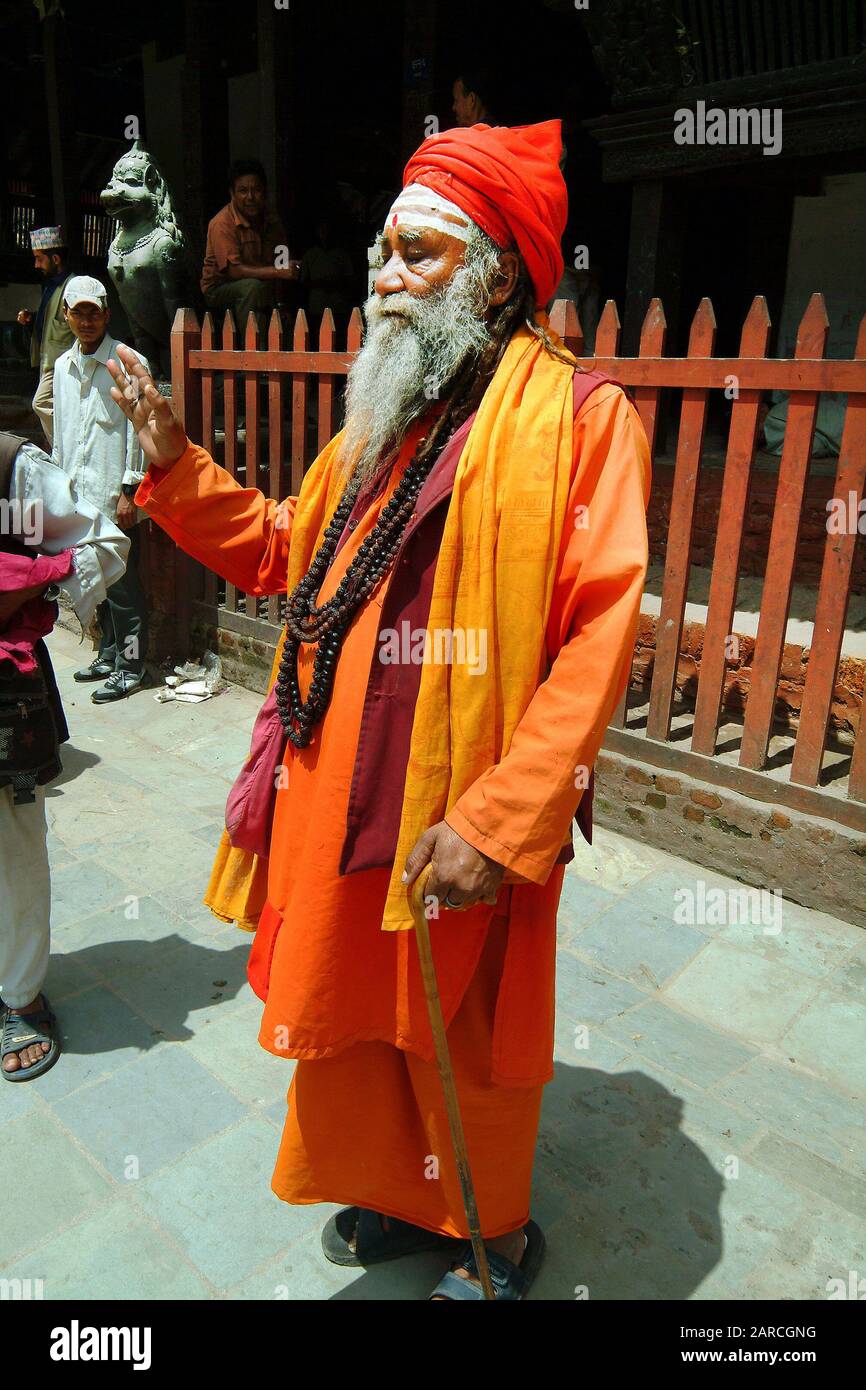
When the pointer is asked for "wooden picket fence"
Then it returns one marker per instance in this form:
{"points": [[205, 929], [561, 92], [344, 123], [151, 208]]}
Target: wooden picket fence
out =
{"points": [[300, 383]]}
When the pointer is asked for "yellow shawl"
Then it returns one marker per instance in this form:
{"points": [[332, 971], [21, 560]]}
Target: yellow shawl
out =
{"points": [[494, 575]]}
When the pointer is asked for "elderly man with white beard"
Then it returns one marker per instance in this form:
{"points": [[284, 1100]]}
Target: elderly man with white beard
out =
{"points": [[482, 489]]}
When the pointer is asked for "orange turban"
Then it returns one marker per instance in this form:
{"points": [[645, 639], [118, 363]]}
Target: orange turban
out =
{"points": [[508, 180]]}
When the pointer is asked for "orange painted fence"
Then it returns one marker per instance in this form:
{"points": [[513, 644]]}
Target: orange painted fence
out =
{"points": [[288, 395]]}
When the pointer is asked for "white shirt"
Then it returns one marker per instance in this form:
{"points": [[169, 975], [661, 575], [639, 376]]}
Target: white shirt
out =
{"points": [[99, 548], [93, 440]]}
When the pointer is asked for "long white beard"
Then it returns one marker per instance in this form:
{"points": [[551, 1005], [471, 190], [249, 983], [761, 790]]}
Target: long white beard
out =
{"points": [[413, 350]]}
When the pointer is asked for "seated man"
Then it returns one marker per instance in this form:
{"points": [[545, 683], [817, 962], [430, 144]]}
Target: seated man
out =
{"points": [[242, 259]]}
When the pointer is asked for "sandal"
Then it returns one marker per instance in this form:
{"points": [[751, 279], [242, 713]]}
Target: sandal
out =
{"points": [[511, 1282], [24, 1030], [373, 1244]]}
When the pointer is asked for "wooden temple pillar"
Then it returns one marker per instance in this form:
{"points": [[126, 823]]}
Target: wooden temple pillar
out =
{"points": [[277, 59], [419, 74], [655, 256], [204, 92], [60, 110]]}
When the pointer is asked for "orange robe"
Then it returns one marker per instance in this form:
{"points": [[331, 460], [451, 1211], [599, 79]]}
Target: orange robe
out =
{"points": [[366, 1124]]}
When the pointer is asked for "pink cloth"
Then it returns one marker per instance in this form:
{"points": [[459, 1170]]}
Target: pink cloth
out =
{"points": [[253, 798], [35, 618]]}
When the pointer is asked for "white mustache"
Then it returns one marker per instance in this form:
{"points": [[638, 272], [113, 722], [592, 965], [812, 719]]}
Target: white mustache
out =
{"points": [[401, 304]]}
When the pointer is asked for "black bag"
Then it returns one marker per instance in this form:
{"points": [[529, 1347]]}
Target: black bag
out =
{"points": [[29, 741]]}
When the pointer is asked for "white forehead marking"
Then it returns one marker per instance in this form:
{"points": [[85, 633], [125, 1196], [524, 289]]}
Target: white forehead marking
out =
{"points": [[418, 207]]}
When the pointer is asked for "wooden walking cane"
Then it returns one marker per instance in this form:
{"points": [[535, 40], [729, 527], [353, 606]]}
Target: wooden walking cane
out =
{"points": [[446, 1075]]}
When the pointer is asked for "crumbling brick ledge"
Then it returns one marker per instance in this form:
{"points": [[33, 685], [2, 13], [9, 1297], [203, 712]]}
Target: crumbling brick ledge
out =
{"points": [[812, 861]]}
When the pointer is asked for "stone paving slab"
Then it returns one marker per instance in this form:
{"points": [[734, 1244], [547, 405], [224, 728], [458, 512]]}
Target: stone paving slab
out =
{"points": [[116, 1253], [682, 1044], [140, 1119], [798, 1106], [47, 1162], [217, 1203], [703, 1136], [742, 992]]}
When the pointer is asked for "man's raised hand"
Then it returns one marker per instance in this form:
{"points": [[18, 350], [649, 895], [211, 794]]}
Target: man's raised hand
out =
{"points": [[161, 435]]}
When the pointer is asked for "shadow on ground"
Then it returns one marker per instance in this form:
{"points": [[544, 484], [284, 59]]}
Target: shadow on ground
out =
{"points": [[75, 761], [164, 981]]}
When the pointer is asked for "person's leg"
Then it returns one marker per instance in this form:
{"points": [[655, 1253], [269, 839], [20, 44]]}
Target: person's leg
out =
{"points": [[241, 297], [43, 403], [127, 621], [128, 603], [107, 653], [25, 894], [103, 663]]}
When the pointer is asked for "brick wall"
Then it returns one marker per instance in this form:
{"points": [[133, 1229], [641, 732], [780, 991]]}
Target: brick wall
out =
{"points": [[846, 705], [810, 860], [759, 516], [245, 660]]}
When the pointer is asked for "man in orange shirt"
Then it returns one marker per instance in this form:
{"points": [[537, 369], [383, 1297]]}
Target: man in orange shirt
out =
{"points": [[464, 566], [246, 254]]}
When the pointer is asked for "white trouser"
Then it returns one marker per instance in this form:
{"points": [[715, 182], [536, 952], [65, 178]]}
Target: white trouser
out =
{"points": [[25, 899]]}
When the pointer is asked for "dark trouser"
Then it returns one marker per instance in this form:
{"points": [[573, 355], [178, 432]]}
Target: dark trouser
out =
{"points": [[242, 297], [123, 617]]}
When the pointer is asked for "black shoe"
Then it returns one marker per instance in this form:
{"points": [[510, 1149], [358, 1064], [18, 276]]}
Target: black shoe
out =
{"points": [[118, 686], [96, 671]]}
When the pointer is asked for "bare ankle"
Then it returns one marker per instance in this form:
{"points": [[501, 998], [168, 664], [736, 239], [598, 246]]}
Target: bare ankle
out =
{"points": [[27, 1008]]}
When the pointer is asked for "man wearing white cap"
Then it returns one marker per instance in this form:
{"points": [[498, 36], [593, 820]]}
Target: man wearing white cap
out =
{"points": [[51, 333], [96, 445]]}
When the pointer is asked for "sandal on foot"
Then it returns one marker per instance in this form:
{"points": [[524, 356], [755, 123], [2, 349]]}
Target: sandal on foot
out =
{"points": [[373, 1244], [26, 1030], [511, 1282]]}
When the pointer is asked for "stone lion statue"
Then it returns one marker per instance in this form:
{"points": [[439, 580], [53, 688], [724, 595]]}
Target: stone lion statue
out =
{"points": [[147, 258]]}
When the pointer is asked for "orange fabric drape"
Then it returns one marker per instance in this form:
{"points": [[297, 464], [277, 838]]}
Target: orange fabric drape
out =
{"points": [[368, 1128]]}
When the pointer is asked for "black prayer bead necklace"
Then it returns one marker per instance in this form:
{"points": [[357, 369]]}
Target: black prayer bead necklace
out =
{"points": [[326, 626]]}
